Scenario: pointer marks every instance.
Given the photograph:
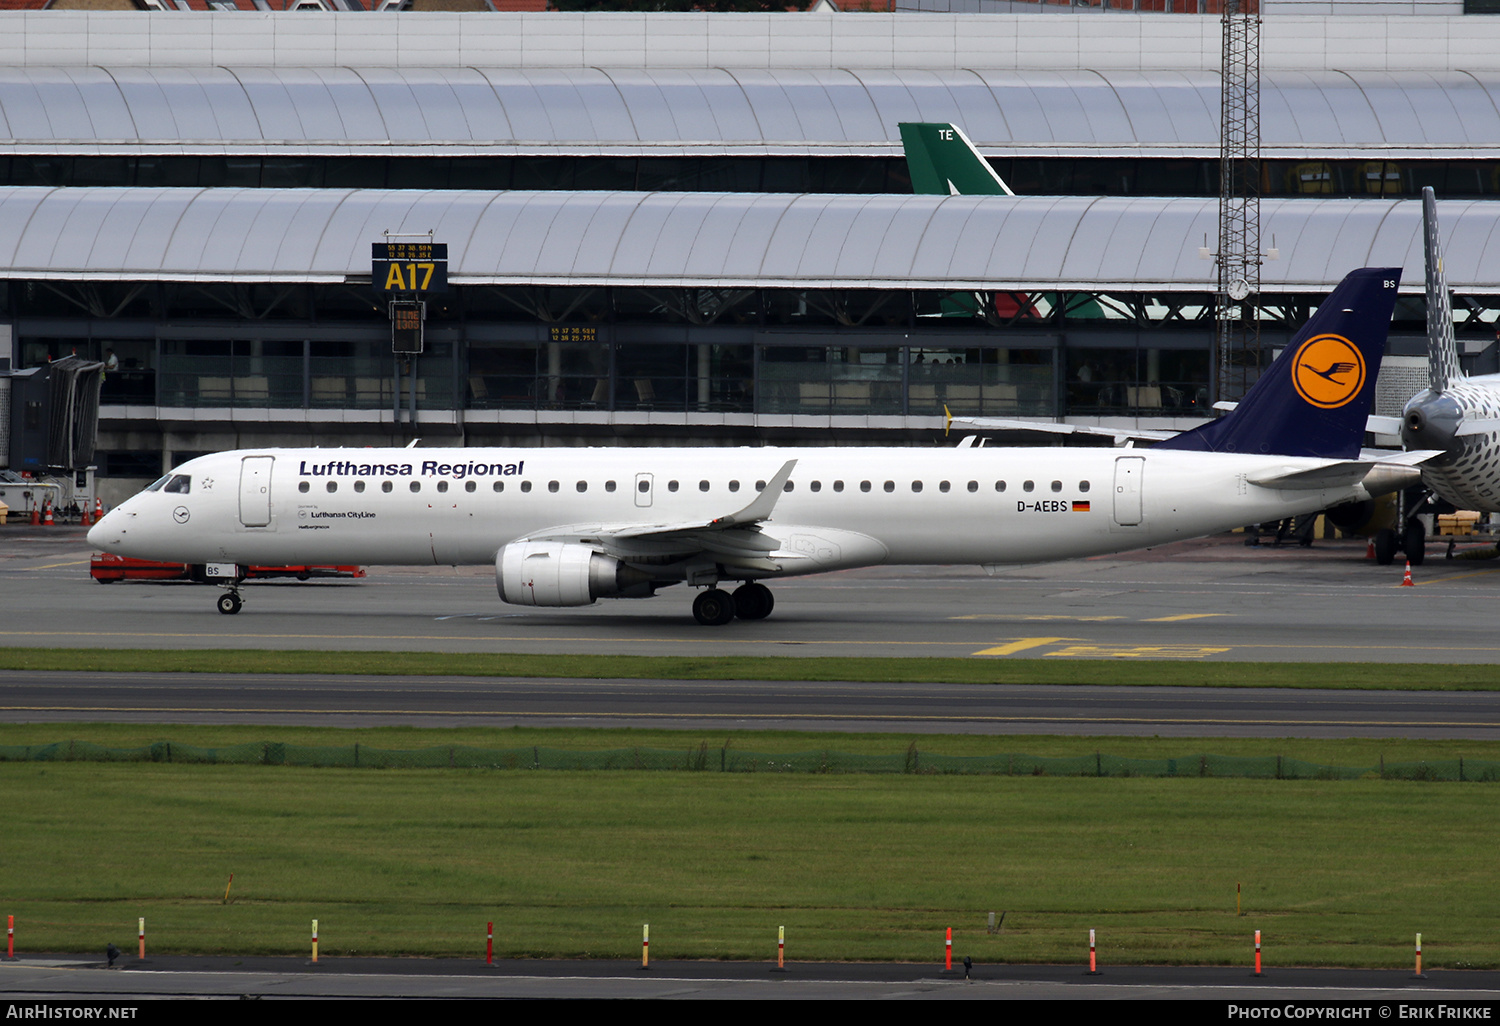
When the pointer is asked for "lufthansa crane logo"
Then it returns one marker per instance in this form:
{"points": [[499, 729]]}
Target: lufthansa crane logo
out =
{"points": [[1328, 371]]}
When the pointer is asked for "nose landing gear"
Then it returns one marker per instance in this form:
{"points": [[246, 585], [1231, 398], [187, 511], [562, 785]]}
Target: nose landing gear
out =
{"points": [[230, 602]]}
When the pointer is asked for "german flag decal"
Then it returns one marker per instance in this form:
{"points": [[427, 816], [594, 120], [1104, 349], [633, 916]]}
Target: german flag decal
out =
{"points": [[1080, 507]]}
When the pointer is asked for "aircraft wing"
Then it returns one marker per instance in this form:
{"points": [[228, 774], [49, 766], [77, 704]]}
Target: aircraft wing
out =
{"points": [[1120, 435], [735, 538], [1374, 423]]}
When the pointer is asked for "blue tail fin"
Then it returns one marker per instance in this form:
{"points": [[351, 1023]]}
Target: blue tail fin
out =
{"points": [[1314, 399]]}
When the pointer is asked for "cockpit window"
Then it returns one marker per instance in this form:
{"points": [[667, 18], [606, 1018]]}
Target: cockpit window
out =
{"points": [[180, 484], [155, 486]]}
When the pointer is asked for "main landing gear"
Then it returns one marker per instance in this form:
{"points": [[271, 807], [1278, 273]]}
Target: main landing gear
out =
{"points": [[714, 607], [1411, 538]]}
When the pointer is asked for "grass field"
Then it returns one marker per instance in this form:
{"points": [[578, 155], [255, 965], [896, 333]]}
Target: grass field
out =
{"points": [[1381, 676], [855, 867]]}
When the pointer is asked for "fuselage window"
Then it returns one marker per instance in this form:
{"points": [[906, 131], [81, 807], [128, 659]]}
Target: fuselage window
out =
{"points": [[181, 484], [973, 486], [864, 486], [333, 486], [303, 487], [760, 486], [469, 486], [643, 487], [788, 487], [734, 486], [499, 486], [944, 486], [999, 486], [816, 486], [890, 486], [609, 486], [1057, 486], [838, 486], [359, 486], [671, 486], [583, 486], [416, 486], [552, 486], [385, 486], [916, 486], [1083, 486], [442, 486], [1028, 486], [703, 486], [525, 486]]}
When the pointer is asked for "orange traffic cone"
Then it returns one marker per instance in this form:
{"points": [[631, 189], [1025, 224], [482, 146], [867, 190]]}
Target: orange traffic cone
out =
{"points": [[36, 516], [47, 517], [87, 519], [1370, 551], [1406, 581], [98, 509]]}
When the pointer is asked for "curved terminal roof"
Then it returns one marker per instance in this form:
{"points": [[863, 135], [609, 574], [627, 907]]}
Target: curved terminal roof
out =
{"points": [[455, 111], [717, 240]]}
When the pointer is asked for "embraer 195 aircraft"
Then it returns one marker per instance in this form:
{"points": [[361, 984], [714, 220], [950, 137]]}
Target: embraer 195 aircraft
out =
{"points": [[565, 527]]}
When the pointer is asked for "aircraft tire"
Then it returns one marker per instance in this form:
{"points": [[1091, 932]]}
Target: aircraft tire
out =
{"points": [[753, 601], [1415, 541], [229, 603], [713, 608], [1385, 546]]}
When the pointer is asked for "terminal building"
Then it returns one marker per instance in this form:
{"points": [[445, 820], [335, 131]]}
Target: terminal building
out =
{"points": [[697, 228]]}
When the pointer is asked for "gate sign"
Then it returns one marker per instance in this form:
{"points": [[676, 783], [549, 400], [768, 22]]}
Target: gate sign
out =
{"points": [[413, 267]]}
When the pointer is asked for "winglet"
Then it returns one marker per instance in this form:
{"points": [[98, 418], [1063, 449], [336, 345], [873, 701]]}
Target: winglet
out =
{"points": [[943, 162], [764, 503], [1442, 349], [1315, 397]]}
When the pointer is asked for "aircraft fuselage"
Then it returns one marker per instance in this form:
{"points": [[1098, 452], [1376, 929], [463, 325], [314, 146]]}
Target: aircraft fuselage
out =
{"points": [[843, 507]]}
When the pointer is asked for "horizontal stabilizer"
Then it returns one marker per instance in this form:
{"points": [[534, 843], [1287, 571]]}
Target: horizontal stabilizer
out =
{"points": [[1341, 474], [1478, 426], [1334, 475]]}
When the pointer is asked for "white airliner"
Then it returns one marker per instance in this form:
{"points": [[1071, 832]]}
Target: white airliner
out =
{"points": [[1456, 414], [564, 527]]}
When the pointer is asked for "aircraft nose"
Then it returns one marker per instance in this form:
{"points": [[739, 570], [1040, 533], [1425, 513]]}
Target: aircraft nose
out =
{"points": [[108, 531]]}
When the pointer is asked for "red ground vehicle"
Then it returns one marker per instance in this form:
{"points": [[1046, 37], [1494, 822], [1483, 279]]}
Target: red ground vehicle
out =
{"points": [[107, 568]]}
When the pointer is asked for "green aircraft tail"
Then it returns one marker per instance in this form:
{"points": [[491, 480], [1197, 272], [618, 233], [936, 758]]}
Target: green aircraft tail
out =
{"points": [[943, 162]]}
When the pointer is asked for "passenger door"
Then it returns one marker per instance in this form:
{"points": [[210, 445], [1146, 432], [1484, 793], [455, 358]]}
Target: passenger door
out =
{"points": [[1129, 472], [255, 490]]}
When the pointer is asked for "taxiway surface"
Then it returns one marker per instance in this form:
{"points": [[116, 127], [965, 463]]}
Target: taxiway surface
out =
{"points": [[1212, 599]]}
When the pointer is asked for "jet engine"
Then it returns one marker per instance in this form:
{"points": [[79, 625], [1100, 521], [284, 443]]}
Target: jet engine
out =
{"points": [[564, 574]]}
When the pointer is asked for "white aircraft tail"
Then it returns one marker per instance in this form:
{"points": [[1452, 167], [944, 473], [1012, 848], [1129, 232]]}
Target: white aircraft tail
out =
{"points": [[1442, 348]]}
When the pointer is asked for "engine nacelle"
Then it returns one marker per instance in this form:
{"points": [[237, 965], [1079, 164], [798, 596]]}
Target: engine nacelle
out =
{"points": [[563, 574]]}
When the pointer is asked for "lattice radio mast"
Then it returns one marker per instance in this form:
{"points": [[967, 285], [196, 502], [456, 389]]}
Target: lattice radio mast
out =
{"points": [[1237, 349]]}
